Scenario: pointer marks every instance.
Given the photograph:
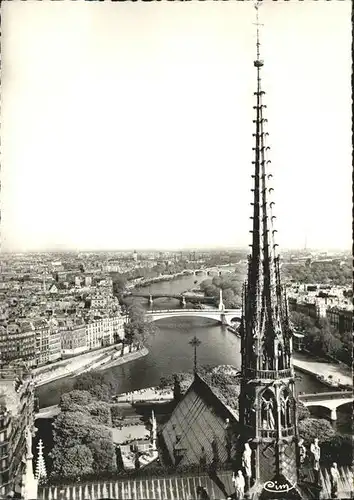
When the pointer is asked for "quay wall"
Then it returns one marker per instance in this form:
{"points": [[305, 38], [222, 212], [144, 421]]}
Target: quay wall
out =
{"points": [[85, 362]]}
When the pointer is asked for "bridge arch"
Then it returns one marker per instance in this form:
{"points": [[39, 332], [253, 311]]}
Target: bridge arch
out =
{"points": [[223, 317], [331, 400]]}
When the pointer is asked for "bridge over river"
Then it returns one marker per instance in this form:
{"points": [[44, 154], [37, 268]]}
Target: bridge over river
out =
{"points": [[224, 316], [330, 400], [182, 297]]}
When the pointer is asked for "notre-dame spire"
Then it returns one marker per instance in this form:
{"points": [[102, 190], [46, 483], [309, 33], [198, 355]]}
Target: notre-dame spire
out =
{"points": [[267, 402], [265, 302]]}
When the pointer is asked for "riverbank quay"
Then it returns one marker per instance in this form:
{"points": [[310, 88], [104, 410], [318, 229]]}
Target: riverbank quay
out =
{"points": [[125, 358], [308, 364], [149, 394], [100, 359]]}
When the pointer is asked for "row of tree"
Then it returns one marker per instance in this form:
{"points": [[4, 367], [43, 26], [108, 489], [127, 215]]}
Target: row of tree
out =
{"points": [[323, 339], [326, 272]]}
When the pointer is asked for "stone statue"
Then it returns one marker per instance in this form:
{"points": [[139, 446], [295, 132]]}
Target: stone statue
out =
{"points": [[239, 484], [246, 463], [334, 473], [302, 451], [28, 443], [154, 426], [316, 455], [302, 456], [268, 419]]}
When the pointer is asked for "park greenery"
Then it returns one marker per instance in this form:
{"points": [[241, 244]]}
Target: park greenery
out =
{"points": [[334, 273], [101, 385], [138, 328], [82, 435], [231, 286], [323, 339]]}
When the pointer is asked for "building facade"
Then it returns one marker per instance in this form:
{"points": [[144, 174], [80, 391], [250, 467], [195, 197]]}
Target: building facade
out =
{"points": [[42, 330], [339, 318], [73, 339], [16, 415], [54, 340], [18, 342], [105, 330]]}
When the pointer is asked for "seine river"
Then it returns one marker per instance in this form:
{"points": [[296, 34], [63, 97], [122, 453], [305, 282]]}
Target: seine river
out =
{"points": [[170, 352]]}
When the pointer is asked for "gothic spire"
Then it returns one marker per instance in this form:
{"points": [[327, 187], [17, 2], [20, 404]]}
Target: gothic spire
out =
{"points": [[267, 404], [41, 472], [264, 303]]}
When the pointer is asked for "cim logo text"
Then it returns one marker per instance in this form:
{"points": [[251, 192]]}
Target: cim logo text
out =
{"points": [[275, 487]]}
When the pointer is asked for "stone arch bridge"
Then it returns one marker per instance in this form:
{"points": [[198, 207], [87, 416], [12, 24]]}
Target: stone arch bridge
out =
{"points": [[224, 316], [330, 400]]}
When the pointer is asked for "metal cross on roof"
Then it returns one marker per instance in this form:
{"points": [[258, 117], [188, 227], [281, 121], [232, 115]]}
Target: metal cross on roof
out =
{"points": [[195, 342]]}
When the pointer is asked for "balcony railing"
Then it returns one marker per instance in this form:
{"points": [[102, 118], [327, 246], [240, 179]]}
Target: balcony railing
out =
{"points": [[273, 433], [269, 374]]}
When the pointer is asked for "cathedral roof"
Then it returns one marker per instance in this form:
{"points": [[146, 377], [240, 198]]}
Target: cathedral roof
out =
{"points": [[212, 394]]}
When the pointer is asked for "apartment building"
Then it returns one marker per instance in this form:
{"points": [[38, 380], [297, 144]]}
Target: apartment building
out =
{"points": [[73, 337], [42, 340], [104, 330], [16, 415], [18, 342]]}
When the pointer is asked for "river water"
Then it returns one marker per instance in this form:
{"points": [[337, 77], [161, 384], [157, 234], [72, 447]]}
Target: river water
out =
{"points": [[170, 352]]}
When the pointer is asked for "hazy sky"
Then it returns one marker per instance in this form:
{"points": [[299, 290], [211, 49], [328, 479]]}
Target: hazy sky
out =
{"points": [[129, 125]]}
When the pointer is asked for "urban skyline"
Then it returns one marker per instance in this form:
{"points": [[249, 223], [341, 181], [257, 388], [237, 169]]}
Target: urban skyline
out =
{"points": [[96, 192]]}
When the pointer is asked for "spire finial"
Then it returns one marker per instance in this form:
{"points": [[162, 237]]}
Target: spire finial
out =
{"points": [[257, 5]]}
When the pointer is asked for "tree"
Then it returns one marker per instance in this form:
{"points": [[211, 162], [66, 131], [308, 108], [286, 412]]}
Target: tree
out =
{"points": [[101, 445], [76, 462], [99, 385], [119, 284], [101, 412], [72, 401], [338, 449], [138, 328], [330, 344], [72, 429], [164, 382], [302, 411], [311, 428]]}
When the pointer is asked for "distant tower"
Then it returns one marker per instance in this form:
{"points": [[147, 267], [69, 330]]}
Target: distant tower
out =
{"points": [[135, 256], [268, 443], [41, 472]]}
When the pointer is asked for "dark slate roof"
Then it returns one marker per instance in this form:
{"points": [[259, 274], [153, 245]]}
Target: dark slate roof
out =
{"points": [[212, 397]]}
